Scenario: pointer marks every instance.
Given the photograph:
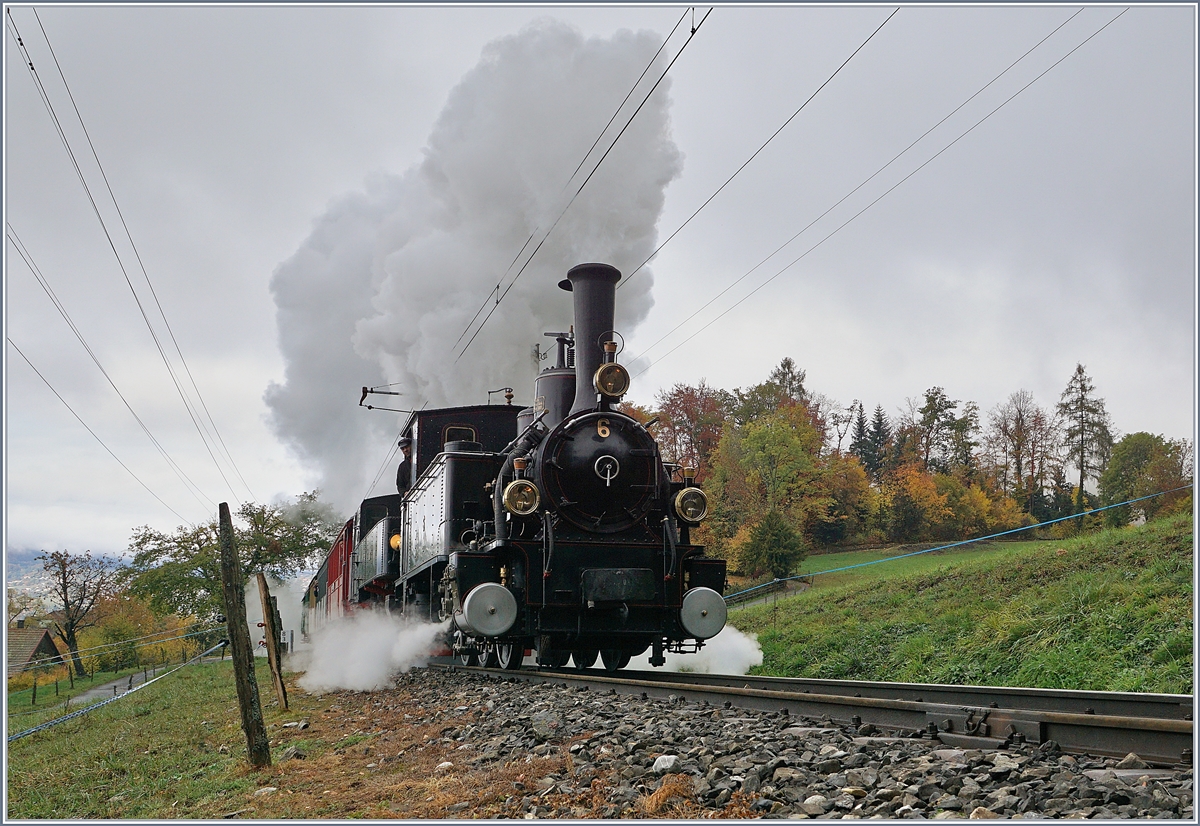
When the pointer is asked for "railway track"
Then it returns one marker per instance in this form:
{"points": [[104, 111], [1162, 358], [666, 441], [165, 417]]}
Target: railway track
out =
{"points": [[1156, 727]]}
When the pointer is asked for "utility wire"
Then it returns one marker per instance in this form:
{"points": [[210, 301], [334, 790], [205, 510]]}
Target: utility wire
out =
{"points": [[645, 100], [97, 438], [22, 251], [586, 155], [138, 256], [112, 245], [841, 200], [887, 192], [756, 151]]}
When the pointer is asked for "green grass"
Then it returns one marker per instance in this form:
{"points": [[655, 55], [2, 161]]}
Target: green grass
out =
{"points": [[1106, 611], [23, 714], [155, 754]]}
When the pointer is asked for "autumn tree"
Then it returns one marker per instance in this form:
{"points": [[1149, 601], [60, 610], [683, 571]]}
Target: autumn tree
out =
{"points": [[1144, 464], [784, 387], [916, 508], [1024, 443], [1087, 429], [78, 582], [690, 428]]}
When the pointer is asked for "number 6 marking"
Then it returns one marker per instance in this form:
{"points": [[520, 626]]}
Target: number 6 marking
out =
{"points": [[602, 428]]}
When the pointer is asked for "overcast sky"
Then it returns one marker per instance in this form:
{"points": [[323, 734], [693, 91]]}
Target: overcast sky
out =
{"points": [[375, 170]]}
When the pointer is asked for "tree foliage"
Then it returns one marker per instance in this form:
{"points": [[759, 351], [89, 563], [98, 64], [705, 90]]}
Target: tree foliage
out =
{"points": [[774, 547], [1143, 464], [691, 419], [180, 572], [933, 471]]}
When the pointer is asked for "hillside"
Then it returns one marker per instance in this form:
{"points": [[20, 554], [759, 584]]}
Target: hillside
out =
{"points": [[1107, 611]]}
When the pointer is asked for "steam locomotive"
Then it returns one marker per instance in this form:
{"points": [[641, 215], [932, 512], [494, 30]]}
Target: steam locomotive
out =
{"points": [[556, 529]]}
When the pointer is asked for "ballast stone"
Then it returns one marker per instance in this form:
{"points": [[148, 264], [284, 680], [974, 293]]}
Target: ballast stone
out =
{"points": [[618, 741]]}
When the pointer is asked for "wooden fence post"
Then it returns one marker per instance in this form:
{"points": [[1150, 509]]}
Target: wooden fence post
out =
{"points": [[258, 747], [270, 631]]}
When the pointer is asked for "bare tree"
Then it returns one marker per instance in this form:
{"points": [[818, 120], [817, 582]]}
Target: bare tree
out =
{"points": [[77, 583], [19, 603]]}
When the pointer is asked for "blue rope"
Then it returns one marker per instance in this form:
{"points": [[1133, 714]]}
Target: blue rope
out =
{"points": [[95, 706], [956, 544]]}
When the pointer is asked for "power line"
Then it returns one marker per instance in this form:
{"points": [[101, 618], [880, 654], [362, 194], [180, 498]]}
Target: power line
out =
{"points": [[15, 240], [756, 151], [496, 290], [97, 438], [888, 191], [108, 236], [584, 184], [839, 202], [138, 256]]}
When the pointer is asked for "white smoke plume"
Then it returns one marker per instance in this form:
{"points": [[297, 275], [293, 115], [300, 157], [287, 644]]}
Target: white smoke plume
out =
{"points": [[366, 650], [391, 276], [729, 652]]}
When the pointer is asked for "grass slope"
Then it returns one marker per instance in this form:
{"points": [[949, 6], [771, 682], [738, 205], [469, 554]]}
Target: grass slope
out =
{"points": [[1107, 611]]}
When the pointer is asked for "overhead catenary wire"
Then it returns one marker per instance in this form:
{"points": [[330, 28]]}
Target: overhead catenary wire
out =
{"points": [[841, 200], [142, 266], [584, 184], [496, 290], [97, 438], [26, 257], [44, 95], [885, 193], [756, 152]]}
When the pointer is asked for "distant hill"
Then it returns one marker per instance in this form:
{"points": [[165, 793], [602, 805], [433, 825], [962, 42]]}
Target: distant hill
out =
{"points": [[23, 572]]}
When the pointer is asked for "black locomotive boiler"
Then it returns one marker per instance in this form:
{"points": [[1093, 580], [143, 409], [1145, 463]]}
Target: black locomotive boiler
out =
{"points": [[556, 529]]}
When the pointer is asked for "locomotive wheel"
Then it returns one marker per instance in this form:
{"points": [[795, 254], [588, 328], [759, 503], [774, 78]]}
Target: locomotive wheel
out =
{"points": [[509, 655], [491, 657], [585, 658], [469, 659], [614, 659]]}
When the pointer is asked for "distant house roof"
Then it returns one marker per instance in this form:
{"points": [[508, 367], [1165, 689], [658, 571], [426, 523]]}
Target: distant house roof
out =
{"points": [[28, 647]]}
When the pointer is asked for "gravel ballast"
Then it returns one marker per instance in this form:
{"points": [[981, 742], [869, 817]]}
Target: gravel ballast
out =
{"points": [[770, 764]]}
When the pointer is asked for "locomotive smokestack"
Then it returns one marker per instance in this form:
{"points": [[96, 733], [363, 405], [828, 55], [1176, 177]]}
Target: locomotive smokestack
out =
{"points": [[594, 290]]}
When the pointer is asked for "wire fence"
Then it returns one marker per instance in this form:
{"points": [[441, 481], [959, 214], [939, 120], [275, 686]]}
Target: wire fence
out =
{"points": [[91, 650], [64, 718]]}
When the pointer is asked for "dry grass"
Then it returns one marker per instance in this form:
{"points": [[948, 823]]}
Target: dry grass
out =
{"points": [[378, 755], [366, 755]]}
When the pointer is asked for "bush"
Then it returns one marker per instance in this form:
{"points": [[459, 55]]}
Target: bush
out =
{"points": [[774, 546]]}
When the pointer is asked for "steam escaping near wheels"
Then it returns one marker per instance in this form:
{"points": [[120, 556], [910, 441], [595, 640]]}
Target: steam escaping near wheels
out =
{"points": [[366, 650], [729, 652]]}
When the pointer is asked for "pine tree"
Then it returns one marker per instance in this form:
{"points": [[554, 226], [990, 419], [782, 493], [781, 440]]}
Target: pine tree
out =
{"points": [[1088, 433], [860, 441], [880, 438]]}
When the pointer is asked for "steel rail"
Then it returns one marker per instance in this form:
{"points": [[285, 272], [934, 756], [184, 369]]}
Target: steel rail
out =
{"points": [[956, 717]]}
